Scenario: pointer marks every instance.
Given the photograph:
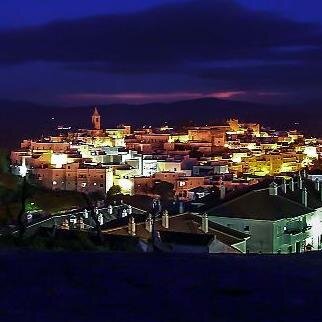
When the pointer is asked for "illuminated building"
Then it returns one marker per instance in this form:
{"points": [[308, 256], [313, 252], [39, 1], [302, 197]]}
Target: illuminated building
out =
{"points": [[188, 158], [83, 178], [96, 120], [216, 135]]}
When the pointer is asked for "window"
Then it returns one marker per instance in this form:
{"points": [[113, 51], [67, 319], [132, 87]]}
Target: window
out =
{"points": [[101, 185]]}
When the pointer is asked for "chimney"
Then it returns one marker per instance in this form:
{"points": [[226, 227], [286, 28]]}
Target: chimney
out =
{"points": [[222, 191], [291, 183], [273, 189], [317, 184], [165, 219], [300, 182], [110, 209], [304, 197], [124, 213], [204, 223], [148, 223], [100, 219], [284, 186], [80, 223], [131, 226]]}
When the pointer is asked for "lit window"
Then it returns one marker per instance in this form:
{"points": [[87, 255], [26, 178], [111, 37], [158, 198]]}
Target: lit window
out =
{"points": [[54, 182], [83, 184]]}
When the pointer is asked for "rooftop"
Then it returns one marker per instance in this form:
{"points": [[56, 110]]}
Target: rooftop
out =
{"points": [[260, 205], [185, 223]]}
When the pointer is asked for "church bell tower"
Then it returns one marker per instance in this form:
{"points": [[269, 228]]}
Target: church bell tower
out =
{"points": [[96, 120]]}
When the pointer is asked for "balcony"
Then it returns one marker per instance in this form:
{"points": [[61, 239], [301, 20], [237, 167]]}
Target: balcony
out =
{"points": [[297, 230]]}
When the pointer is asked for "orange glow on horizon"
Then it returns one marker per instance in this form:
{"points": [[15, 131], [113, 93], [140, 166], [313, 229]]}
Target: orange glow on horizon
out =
{"points": [[138, 97]]}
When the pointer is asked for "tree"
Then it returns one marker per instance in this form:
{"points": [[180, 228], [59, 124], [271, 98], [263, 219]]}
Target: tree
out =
{"points": [[114, 190], [4, 162], [21, 220]]}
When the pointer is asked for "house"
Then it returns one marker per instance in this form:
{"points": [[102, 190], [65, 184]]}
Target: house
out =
{"points": [[183, 233], [281, 219]]}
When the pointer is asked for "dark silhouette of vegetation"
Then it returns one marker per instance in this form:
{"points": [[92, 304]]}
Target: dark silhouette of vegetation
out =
{"points": [[4, 162], [114, 190], [21, 224]]}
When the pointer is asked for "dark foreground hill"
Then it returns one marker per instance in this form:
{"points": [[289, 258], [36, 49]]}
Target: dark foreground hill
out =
{"points": [[22, 119], [36, 286]]}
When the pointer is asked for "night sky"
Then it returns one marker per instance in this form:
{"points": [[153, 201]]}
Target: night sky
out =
{"points": [[94, 51]]}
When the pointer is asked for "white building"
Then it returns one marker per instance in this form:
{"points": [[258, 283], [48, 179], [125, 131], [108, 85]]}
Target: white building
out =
{"points": [[277, 222]]}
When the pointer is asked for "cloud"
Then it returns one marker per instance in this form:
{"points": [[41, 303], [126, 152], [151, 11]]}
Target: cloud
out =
{"points": [[137, 97], [296, 76], [200, 39], [158, 38]]}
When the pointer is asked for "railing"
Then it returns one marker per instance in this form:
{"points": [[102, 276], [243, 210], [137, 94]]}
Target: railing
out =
{"points": [[296, 231]]}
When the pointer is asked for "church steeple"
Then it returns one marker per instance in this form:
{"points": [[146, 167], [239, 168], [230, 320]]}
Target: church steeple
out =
{"points": [[96, 120]]}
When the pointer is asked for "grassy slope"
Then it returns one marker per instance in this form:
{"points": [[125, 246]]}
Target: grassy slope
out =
{"points": [[131, 287], [47, 201]]}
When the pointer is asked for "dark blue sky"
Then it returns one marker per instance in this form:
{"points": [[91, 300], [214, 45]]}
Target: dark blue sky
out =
{"points": [[90, 51]]}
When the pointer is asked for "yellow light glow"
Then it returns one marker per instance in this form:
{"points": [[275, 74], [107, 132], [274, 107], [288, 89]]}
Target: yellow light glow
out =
{"points": [[58, 160], [126, 185]]}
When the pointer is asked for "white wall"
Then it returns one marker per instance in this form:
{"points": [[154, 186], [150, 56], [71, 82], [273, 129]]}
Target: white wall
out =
{"points": [[261, 232]]}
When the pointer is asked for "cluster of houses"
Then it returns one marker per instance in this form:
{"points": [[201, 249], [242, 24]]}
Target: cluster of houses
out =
{"points": [[201, 164]]}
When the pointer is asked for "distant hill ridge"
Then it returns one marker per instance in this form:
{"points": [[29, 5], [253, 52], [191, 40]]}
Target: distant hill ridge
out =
{"points": [[26, 119]]}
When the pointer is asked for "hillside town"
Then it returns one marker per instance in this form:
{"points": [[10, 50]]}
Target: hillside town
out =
{"points": [[229, 188]]}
